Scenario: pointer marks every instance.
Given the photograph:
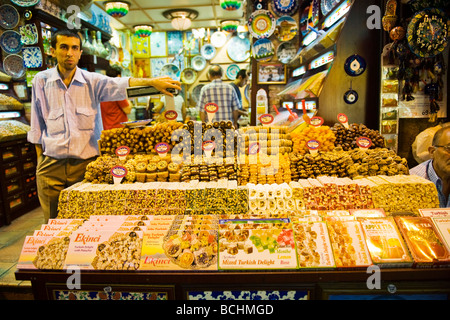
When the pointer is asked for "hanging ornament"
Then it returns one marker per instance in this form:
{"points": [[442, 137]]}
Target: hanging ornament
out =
{"points": [[230, 5], [351, 96], [355, 65], [389, 19]]}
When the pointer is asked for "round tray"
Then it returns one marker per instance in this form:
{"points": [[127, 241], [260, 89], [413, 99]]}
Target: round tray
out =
{"points": [[9, 16], [11, 42], [261, 24], [198, 63], [238, 49]]}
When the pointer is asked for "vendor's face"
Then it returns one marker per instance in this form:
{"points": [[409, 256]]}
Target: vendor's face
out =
{"points": [[441, 157], [67, 52]]}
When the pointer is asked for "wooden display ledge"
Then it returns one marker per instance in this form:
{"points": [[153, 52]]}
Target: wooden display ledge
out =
{"points": [[318, 284]]}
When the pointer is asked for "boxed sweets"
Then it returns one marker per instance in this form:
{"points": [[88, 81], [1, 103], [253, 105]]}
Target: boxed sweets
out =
{"points": [[104, 249], [424, 242], [349, 247], [385, 243], [256, 244], [435, 212], [442, 225], [43, 252], [313, 245]]}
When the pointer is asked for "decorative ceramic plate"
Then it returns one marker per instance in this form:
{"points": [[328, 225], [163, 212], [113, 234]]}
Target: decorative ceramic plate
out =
{"points": [[32, 57], [263, 50], [171, 70], [196, 92], [208, 51], [10, 41], [198, 63], [326, 6], [29, 34], [25, 3], [355, 65], [13, 65], [188, 76], [232, 71], [9, 16], [286, 28], [218, 39], [283, 7], [136, 123], [114, 54], [286, 51], [238, 49], [261, 24], [351, 96], [247, 92]]}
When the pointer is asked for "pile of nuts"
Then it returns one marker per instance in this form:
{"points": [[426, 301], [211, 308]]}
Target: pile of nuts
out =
{"points": [[346, 138]]}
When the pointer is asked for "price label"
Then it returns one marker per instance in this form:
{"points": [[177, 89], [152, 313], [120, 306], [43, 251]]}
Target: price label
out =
{"points": [[162, 149], [313, 146], [171, 115], [122, 152], [316, 121], [118, 173], [343, 119], [208, 147], [266, 119], [211, 109], [253, 148], [363, 143]]}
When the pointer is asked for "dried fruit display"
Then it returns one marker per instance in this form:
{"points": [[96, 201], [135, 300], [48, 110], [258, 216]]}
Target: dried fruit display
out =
{"points": [[346, 138], [323, 134]]}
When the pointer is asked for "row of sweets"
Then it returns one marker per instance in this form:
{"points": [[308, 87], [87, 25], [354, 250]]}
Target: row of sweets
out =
{"points": [[305, 241], [393, 194]]}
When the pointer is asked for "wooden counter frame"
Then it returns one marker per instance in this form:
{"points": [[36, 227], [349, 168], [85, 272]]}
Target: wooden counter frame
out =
{"points": [[179, 283]]}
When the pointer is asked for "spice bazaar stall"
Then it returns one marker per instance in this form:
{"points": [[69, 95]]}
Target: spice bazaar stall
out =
{"points": [[194, 210]]}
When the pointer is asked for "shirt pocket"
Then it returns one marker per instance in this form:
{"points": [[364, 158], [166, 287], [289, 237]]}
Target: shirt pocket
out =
{"points": [[55, 121], [85, 118]]}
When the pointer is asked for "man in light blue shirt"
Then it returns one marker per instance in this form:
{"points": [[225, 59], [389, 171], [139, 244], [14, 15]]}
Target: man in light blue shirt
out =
{"points": [[66, 121], [437, 169]]}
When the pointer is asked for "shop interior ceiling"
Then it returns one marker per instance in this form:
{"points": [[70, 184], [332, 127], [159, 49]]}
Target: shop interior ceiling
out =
{"points": [[210, 14]]}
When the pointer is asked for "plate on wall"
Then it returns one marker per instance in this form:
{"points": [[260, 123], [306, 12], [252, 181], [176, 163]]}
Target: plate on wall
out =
{"points": [[196, 92], [25, 3], [13, 65], [29, 34], [32, 57], [218, 39], [238, 49], [286, 28], [286, 51], [232, 71], [11, 42], [208, 51], [261, 24], [285, 7], [263, 50], [9, 16], [170, 70], [188, 76], [198, 63]]}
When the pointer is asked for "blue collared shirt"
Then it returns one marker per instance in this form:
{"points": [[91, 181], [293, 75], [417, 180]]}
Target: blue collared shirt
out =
{"points": [[426, 170], [67, 122], [221, 94]]}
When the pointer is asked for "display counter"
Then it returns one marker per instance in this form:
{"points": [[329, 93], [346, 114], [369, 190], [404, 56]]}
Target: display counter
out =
{"points": [[395, 283]]}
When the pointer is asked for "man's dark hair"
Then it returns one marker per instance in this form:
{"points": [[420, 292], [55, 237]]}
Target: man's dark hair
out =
{"points": [[215, 71], [242, 73], [64, 33], [113, 71]]}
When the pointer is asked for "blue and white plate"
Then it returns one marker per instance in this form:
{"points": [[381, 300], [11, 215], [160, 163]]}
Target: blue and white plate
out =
{"points": [[208, 51], [32, 57], [238, 49], [283, 7], [9, 16], [29, 34], [25, 3], [232, 71], [13, 65], [11, 41], [263, 50], [198, 63], [218, 39], [171, 70]]}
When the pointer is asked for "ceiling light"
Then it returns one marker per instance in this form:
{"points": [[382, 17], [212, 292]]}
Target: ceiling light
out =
{"points": [[181, 18], [117, 9], [143, 30], [230, 5], [229, 25]]}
